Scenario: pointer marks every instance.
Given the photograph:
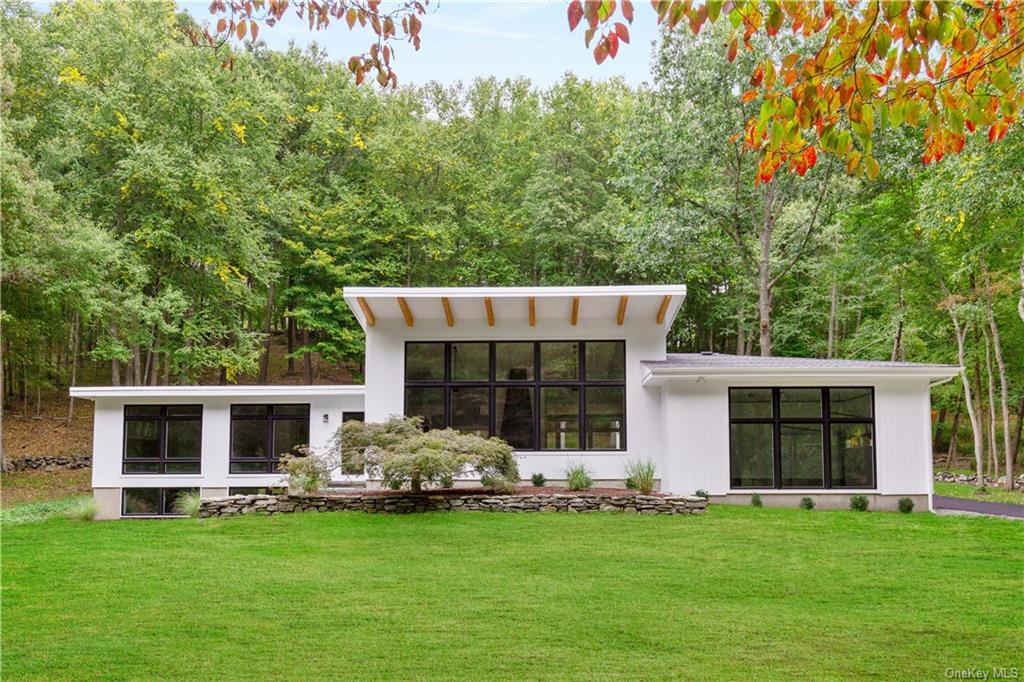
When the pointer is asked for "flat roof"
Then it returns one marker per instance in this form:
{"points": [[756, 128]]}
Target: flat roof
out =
{"points": [[234, 391], [625, 304], [722, 364]]}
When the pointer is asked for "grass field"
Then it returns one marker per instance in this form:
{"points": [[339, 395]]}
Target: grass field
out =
{"points": [[739, 592], [970, 492]]}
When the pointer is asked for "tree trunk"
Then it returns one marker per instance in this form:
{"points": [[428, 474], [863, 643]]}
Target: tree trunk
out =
{"points": [[1020, 301], [897, 344], [764, 272], [291, 344], [833, 305], [307, 357], [1020, 427], [3, 377], [75, 334], [997, 346], [993, 448], [265, 360], [979, 407], [961, 332], [939, 421], [954, 439]]}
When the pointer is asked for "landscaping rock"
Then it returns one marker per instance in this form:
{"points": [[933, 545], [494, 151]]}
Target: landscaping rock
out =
{"points": [[406, 503]]}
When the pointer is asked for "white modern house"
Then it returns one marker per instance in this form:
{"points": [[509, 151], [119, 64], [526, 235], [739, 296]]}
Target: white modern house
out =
{"points": [[565, 375]]}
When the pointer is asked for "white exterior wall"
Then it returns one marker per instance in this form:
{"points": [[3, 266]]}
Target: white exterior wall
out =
{"points": [[696, 424], [385, 378], [108, 438]]}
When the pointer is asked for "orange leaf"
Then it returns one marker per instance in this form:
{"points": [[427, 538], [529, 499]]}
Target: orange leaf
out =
{"points": [[240, 29], [731, 55], [222, 25], [749, 95]]}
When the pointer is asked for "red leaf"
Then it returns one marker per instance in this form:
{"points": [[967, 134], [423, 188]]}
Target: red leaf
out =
{"points": [[613, 45], [622, 31], [601, 52], [254, 29], [733, 46], [627, 11], [575, 14]]}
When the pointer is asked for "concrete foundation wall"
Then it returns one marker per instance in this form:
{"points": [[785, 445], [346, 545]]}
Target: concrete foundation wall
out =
{"points": [[877, 502]]}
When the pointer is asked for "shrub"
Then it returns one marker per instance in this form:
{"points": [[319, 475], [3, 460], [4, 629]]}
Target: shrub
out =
{"points": [[83, 510], [755, 500], [701, 493], [399, 452], [308, 472], [447, 481], [538, 480], [905, 505], [187, 503], [640, 475], [807, 503], [859, 503], [577, 477]]}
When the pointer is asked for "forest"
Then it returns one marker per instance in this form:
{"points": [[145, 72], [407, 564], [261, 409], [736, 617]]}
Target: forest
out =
{"points": [[168, 218]]}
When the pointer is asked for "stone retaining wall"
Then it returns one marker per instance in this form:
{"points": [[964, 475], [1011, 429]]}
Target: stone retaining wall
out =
{"points": [[49, 463], [405, 503], [970, 479]]}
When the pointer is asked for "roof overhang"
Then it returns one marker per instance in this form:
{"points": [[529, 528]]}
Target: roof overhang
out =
{"points": [[632, 305], [94, 392], [658, 376]]}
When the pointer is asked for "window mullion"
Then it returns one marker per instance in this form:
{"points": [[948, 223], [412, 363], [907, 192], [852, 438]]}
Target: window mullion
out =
{"points": [[776, 439]]}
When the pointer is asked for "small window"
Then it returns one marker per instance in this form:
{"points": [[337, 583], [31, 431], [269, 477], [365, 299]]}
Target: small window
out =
{"points": [[605, 417], [750, 403], [513, 361], [559, 361], [606, 360], [471, 361], [750, 456], [852, 452], [424, 361], [850, 403], [426, 402], [800, 403], [800, 450], [560, 418], [151, 501], [471, 410], [513, 415], [261, 434], [162, 439]]}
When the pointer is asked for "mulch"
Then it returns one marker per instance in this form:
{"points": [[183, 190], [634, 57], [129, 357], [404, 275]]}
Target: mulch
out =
{"points": [[521, 490]]}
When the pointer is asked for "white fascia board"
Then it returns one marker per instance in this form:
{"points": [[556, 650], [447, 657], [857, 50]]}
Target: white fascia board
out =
{"points": [[515, 292], [657, 377], [93, 392]]}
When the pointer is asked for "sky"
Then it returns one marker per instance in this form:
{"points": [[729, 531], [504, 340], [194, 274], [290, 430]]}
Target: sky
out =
{"points": [[463, 39]]}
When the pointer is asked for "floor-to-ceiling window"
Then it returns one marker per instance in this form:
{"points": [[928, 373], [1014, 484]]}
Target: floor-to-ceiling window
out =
{"points": [[536, 395]]}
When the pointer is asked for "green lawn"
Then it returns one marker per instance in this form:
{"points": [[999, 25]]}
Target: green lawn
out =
{"points": [[739, 592], [970, 492]]}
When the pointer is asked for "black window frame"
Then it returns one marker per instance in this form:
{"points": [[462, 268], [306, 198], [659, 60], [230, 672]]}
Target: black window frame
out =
{"points": [[162, 504], [271, 460], [537, 383], [825, 421], [162, 460]]}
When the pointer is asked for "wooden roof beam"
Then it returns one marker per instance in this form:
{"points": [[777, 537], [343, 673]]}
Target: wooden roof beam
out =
{"points": [[660, 319], [490, 311], [533, 312], [448, 317], [575, 310], [406, 313], [371, 319], [621, 317]]}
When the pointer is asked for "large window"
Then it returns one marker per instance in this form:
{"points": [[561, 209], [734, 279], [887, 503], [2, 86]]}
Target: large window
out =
{"points": [[151, 501], [162, 439], [802, 437], [536, 395], [260, 434]]}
